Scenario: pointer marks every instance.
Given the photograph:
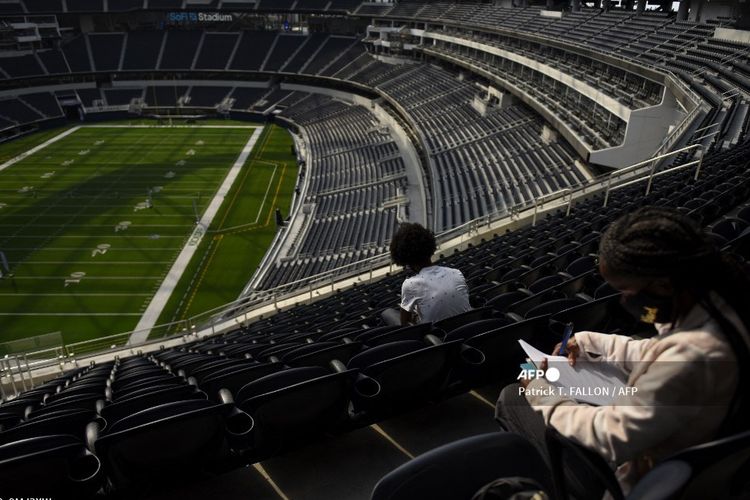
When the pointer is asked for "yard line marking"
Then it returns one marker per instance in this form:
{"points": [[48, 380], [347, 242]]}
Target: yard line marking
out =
{"points": [[276, 194], [268, 188], [74, 294], [108, 226], [27, 236], [155, 307], [171, 126], [88, 278], [33, 150], [67, 249], [69, 314], [117, 263]]}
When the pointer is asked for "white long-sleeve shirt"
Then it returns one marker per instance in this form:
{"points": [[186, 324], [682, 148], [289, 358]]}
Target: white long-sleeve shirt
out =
{"points": [[685, 379]]}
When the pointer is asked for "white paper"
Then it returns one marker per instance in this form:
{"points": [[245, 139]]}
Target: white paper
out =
{"points": [[594, 383]]}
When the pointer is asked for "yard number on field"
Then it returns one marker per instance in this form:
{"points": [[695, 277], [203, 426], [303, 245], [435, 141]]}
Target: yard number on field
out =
{"points": [[100, 249], [75, 278]]}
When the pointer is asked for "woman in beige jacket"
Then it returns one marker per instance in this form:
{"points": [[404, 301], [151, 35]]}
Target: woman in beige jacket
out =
{"points": [[684, 380]]}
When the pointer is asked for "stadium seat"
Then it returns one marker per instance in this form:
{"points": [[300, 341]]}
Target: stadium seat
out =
{"points": [[58, 466], [233, 378], [460, 469], [395, 376], [449, 324], [293, 404], [164, 443], [494, 355]]}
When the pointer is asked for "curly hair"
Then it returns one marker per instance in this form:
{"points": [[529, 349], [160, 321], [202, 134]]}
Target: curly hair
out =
{"points": [[412, 244]]}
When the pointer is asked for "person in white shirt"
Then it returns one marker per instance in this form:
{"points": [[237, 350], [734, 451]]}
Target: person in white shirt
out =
{"points": [[688, 380], [434, 292]]}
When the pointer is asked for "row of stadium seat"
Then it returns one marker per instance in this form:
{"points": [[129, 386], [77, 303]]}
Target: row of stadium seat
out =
{"points": [[251, 393], [114, 6]]}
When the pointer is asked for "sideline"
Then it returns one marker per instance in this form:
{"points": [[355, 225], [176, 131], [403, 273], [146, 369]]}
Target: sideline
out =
{"points": [[155, 307], [39, 147]]}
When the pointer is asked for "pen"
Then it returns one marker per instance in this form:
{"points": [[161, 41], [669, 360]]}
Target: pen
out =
{"points": [[566, 337]]}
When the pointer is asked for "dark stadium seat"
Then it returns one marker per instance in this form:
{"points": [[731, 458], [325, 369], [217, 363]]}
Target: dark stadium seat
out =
{"points": [[495, 355], [292, 404], [450, 324], [396, 375], [167, 442], [234, 378], [321, 353], [460, 469], [58, 466], [68, 422], [716, 469]]}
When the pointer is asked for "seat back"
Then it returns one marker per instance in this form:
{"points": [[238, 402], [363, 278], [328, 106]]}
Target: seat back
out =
{"points": [[294, 404], [457, 470], [233, 379], [57, 466], [450, 324], [157, 445]]}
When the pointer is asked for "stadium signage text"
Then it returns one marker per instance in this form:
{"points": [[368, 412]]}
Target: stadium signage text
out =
{"points": [[199, 17]]}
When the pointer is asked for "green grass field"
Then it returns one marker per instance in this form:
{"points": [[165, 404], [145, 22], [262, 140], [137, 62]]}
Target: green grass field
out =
{"points": [[65, 210]]}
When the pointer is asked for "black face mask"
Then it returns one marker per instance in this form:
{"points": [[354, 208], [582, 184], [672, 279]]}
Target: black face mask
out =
{"points": [[649, 308]]}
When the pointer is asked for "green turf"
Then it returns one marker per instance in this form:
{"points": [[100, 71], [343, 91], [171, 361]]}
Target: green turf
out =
{"points": [[236, 243], [51, 229]]}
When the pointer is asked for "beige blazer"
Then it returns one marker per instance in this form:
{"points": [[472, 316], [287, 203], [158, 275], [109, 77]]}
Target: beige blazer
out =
{"points": [[684, 377]]}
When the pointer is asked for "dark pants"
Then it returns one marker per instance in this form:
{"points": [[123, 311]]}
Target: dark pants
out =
{"points": [[391, 316], [514, 413]]}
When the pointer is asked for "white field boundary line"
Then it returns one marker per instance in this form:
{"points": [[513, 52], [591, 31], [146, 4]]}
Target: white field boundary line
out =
{"points": [[39, 147], [263, 203], [171, 126], [160, 298], [75, 295], [70, 314]]}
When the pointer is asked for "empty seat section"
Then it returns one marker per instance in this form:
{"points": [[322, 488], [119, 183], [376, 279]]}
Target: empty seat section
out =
{"points": [[20, 66], [142, 50], [207, 97], [252, 50], [121, 97], [308, 49], [106, 50], [77, 54], [85, 5], [164, 96], [43, 102], [216, 50], [179, 49], [285, 46]]}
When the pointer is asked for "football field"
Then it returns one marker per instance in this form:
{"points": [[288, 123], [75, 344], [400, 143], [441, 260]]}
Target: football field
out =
{"points": [[93, 222]]}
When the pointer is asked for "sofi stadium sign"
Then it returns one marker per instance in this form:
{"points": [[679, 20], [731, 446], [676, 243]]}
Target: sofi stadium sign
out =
{"points": [[198, 17]]}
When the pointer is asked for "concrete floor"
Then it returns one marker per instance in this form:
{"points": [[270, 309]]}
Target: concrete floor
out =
{"points": [[347, 467]]}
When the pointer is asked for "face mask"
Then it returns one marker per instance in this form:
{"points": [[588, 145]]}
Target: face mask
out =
{"points": [[649, 308]]}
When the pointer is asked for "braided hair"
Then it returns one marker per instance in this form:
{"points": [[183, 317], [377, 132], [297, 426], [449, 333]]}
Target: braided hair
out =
{"points": [[655, 242]]}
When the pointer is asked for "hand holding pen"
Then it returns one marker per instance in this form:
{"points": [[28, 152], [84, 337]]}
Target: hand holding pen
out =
{"points": [[568, 347]]}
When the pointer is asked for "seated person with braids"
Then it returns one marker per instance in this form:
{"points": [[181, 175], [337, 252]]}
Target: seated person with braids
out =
{"points": [[688, 377], [435, 292]]}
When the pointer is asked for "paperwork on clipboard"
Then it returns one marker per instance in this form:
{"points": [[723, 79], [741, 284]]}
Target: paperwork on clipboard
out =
{"points": [[596, 383]]}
